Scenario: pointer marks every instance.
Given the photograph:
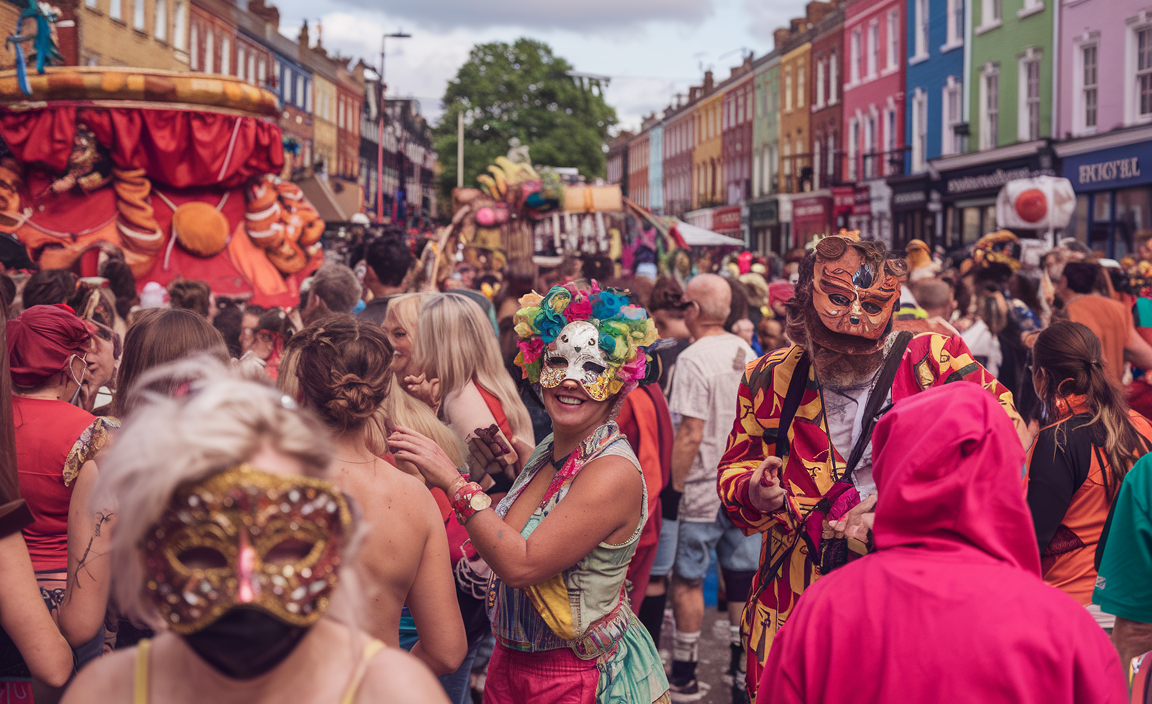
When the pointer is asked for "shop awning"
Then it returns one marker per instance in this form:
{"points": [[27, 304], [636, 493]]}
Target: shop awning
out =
{"points": [[699, 237]]}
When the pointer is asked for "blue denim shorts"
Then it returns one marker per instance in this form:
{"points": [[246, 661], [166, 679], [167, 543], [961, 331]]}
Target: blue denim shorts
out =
{"points": [[665, 549], [696, 540]]}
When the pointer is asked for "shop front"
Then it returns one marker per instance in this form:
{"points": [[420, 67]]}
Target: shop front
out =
{"points": [[811, 215], [843, 204], [1112, 177], [969, 183], [914, 212], [764, 226], [726, 221]]}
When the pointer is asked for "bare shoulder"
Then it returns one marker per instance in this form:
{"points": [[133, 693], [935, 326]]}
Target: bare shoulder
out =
{"points": [[107, 680], [610, 476], [396, 677]]}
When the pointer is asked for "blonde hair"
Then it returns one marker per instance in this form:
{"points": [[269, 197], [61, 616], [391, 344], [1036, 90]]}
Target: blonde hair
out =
{"points": [[222, 421], [457, 342], [402, 408]]}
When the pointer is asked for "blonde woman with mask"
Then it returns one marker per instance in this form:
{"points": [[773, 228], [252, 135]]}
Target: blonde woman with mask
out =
{"points": [[225, 498]]}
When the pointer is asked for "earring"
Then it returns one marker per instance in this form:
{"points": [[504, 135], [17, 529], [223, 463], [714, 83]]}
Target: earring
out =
{"points": [[1061, 406]]}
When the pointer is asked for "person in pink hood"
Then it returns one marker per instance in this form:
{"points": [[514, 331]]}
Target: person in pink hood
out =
{"points": [[950, 607]]}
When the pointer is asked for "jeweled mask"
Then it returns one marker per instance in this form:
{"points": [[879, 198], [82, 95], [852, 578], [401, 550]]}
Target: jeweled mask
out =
{"points": [[245, 537], [855, 288], [576, 354]]}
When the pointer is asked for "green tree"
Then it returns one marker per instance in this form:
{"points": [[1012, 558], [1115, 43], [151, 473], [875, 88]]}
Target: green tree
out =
{"points": [[522, 90]]}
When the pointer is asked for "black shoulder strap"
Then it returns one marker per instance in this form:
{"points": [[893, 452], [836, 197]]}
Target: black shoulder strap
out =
{"points": [[796, 387], [878, 396]]}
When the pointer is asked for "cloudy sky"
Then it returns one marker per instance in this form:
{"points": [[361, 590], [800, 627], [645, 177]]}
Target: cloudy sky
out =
{"points": [[651, 49]]}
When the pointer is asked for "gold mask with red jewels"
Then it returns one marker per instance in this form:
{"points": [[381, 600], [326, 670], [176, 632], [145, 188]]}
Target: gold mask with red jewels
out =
{"points": [[245, 537], [854, 293]]}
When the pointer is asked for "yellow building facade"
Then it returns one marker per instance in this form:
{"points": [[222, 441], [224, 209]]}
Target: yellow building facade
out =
{"points": [[707, 155], [324, 135], [151, 33], [795, 116]]}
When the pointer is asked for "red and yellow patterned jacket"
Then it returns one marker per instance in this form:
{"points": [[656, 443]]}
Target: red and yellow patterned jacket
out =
{"points": [[811, 467]]}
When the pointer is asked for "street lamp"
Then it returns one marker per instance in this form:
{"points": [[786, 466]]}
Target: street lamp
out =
{"points": [[380, 143]]}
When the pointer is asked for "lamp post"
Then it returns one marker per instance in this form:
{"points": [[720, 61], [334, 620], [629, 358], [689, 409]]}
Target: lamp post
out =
{"points": [[380, 143]]}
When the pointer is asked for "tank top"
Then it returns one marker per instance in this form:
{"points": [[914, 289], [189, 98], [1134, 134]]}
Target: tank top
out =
{"points": [[140, 679], [559, 612]]}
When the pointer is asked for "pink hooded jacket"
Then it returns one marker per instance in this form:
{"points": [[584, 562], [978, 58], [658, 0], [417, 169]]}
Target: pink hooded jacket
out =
{"points": [[951, 607]]}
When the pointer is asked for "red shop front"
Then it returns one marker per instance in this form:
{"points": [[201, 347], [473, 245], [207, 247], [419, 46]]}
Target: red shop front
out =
{"points": [[726, 221], [811, 216]]}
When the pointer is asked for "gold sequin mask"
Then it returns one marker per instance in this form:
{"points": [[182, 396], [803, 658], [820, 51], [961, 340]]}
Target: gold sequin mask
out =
{"points": [[245, 537], [576, 354]]}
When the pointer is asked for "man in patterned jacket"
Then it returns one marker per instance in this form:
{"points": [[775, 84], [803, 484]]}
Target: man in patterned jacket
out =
{"points": [[798, 465]]}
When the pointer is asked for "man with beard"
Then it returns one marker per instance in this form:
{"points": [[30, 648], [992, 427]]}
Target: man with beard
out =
{"points": [[798, 465]]}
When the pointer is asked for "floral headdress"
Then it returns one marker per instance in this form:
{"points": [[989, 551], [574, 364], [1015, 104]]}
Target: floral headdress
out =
{"points": [[624, 330]]}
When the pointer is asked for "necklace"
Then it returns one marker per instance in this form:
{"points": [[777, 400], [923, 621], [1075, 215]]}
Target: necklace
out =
{"points": [[563, 461], [371, 461]]}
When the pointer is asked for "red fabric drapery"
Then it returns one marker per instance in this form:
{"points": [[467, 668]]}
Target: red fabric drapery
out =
{"points": [[177, 148]]}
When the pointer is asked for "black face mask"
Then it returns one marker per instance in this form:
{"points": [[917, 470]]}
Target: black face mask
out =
{"points": [[245, 643]]}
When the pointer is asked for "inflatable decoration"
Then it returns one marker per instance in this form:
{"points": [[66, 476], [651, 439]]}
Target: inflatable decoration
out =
{"points": [[173, 170]]}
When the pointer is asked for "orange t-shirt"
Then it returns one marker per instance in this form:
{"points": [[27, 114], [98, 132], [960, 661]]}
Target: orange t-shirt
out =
{"points": [[1112, 323]]}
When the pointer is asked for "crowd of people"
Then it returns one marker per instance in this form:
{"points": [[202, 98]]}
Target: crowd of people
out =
{"points": [[505, 490]]}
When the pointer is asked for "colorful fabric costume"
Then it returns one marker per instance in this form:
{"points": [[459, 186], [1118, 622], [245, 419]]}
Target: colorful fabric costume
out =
{"points": [[573, 639], [811, 469], [951, 606]]}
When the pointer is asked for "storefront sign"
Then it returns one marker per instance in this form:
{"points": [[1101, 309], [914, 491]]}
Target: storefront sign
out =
{"points": [[909, 200], [843, 199], [863, 204], [765, 212], [726, 219], [989, 178], [809, 209], [1117, 167]]}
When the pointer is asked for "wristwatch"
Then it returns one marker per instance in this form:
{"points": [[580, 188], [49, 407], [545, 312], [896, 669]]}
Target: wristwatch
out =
{"points": [[469, 500]]}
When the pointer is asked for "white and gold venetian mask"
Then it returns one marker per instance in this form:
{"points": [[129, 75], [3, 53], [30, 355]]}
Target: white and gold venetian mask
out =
{"points": [[576, 354]]}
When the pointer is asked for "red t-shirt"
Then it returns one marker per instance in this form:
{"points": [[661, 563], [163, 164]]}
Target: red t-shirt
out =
{"points": [[47, 431]]}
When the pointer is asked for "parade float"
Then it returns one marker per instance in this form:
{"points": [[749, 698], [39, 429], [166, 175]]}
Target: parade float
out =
{"points": [[520, 215], [176, 172]]}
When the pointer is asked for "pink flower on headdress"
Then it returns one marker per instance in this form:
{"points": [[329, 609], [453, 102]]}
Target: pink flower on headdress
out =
{"points": [[531, 348], [633, 371], [579, 309]]}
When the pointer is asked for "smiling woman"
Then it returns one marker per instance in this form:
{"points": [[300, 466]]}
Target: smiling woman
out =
{"points": [[561, 540]]}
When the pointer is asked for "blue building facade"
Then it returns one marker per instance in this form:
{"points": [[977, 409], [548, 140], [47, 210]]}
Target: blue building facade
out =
{"points": [[935, 90], [656, 169]]}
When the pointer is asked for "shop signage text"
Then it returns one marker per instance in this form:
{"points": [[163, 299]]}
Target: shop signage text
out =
{"points": [[996, 179], [1110, 170]]}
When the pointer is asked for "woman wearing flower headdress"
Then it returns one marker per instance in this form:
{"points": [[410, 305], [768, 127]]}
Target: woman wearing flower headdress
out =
{"points": [[560, 542]]}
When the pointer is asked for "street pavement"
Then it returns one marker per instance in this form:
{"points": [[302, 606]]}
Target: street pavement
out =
{"points": [[715, 656]]}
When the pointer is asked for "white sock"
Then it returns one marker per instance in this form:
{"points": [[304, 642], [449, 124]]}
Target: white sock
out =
{"points": [[685, 646]]}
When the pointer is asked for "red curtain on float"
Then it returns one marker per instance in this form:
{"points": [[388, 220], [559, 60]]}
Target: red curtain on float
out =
{"points": [[177, 148]]}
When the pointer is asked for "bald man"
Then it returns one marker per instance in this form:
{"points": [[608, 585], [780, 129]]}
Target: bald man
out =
{"points": [[704, 389]]}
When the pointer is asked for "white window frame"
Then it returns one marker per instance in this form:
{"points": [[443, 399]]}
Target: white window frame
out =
{"points": [[819, 103], [954, 37], [869, 146], [90, 3], [210, 50], [115, 9], [1083, 91], [801, 86], [833, 78], [817, 163], [919, 131], [890, 130], [831, 157], [989, 118], [139, 15], [855, 47], [194, 59], [180, 24], [991, 15], [1031, 7], [251, 66], [1028, 126], [226, 55], [873, 48], [261, 72], [299, 92], [853, 146], [788, 89], [160, 21], [1132, 104], [921, 15], [893, 29], [952, 95]]}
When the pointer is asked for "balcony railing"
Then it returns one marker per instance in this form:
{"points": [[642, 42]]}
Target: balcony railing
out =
{"points": [[882, 164]]}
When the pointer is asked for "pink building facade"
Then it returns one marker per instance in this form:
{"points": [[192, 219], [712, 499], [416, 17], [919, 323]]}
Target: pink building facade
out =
{"points": [[1105, 66], [874, 73]]}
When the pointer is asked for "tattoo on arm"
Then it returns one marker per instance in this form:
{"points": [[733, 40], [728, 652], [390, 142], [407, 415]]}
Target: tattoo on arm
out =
{"points": [[102, 518]]}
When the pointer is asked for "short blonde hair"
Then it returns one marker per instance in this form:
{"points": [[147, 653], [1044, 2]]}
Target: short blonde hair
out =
{"points": [[222, 421]]}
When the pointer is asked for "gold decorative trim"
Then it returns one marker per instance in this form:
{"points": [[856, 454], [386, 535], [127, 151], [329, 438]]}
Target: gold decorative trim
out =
{"points": [[134, 87]]}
